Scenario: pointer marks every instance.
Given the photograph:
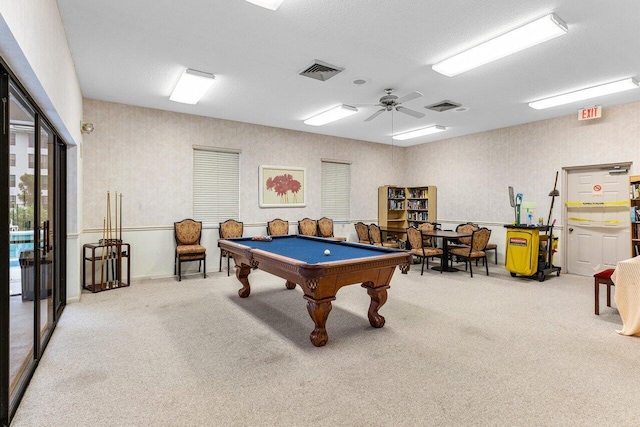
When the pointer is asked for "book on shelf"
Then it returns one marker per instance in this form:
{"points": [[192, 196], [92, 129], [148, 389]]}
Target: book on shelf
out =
{"points": [[396, 205], [634, 190], [396, 193], [418, 193]]}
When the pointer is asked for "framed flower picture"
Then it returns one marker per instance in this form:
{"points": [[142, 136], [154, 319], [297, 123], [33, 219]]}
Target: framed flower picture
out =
{"points": [[282, 186]]}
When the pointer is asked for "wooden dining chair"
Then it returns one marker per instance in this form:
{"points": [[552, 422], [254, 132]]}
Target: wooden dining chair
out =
{"points": [[428, 226], [475, 251], [375, 235], [187, 234], [420, 248], [363, 233], [278, 227], [227, 230], [325, 227], [308, 227]]}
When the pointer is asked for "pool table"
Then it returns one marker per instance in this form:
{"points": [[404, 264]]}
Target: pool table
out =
{"points": [[301, 260]]}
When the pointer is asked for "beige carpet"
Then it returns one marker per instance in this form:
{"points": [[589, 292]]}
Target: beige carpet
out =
{"points": [[455, 351]]}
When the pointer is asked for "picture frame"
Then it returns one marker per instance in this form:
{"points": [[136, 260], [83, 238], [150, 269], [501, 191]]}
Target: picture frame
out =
{"points": [[282, 186]]}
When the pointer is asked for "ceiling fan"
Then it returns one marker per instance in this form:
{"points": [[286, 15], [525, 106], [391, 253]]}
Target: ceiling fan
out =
{"points": [[391, 102]]}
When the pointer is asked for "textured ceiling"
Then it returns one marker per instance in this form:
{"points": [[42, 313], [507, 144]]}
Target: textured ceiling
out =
{"points": [[133, 52]]}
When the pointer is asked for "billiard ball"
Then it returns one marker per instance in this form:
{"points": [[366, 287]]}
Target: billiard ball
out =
{"points": [[327, 252]]}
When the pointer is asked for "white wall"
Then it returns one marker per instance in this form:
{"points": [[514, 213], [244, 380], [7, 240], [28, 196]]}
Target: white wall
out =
{"points": [[34, 45]]}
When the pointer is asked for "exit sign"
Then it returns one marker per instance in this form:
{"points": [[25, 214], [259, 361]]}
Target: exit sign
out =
{"points": [[594, 112]]}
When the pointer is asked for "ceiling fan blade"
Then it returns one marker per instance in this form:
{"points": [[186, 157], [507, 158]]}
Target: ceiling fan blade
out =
{"points": [[374, 115], [409, 97], [410, 112]]}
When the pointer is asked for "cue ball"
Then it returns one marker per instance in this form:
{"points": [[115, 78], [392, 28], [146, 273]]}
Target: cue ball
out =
{"points": [[327, 251]]}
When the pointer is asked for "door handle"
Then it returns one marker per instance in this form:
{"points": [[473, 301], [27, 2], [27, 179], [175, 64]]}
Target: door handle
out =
{"points": [[570, 229]]}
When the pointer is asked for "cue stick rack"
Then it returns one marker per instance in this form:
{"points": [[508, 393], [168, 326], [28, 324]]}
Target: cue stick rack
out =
{"points": [[112, 250]]}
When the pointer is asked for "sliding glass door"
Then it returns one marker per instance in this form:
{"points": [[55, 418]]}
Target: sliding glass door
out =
{"points": [[31, 294]]}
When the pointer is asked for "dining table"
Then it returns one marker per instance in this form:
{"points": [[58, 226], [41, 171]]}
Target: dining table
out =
{"points": [[626, 278], [446, 236]]}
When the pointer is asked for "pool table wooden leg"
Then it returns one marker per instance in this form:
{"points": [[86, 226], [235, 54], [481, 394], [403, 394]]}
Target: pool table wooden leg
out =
{"points": [[242, 273], [378, 298], [319, 311]]}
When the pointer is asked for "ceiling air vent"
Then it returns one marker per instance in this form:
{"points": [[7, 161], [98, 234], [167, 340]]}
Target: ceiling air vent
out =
{"points": [[320, 70], [442, 106]]}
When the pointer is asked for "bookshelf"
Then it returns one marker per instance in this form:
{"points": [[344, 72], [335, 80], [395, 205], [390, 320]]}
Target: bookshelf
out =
{"points": [[402, 207], [634, 201], [421, 205], [392, 204]]}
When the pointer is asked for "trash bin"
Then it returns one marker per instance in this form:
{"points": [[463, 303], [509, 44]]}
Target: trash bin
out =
{"points": [[27, 276]]}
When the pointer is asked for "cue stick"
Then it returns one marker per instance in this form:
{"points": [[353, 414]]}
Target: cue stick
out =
{"points": [[116, 277], [118, 243], [120, 217], [104, 230], [109, 254], [120, 251], [116, 214]]}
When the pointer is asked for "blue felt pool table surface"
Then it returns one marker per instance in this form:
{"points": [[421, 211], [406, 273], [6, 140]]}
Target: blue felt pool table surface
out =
{"points": [[311, 250]]}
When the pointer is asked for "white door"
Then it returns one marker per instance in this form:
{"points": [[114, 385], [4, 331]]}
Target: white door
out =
{"points": [[597, 220]]}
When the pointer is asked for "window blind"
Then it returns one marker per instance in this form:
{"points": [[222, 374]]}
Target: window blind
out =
{"points": [[216, 185], [336, 190]]}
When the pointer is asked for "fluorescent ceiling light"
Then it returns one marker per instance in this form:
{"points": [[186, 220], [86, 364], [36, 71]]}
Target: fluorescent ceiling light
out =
{"points": [[267, 4], [582, 94], [336, 113], [419, 132], [538, 31], [191, 86]]}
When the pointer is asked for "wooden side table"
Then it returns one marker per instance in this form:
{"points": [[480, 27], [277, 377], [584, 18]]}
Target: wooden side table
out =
{"points": [[109, 256]]}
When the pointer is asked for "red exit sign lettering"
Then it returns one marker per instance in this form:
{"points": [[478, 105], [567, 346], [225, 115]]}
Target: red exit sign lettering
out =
{"points": [[594, 112]]}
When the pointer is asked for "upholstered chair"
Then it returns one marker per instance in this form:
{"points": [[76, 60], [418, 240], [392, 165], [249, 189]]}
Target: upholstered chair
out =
{"points": [[420, 248], [376, 237], [187, 234], [308, 227], [479, 240], [278, 227], [325, 227], [428, 226], [363, 233], [228, 230], [469, 227]]}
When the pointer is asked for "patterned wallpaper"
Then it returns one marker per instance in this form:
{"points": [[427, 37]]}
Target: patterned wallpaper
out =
{"points": [[473, 172], [146, 155]]}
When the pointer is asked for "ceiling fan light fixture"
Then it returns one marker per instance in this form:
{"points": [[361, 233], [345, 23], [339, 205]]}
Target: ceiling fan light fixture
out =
{"points": [[267, 4], [332, 115], [582, 94], [191, 86], [528, 35], [419, 132]]}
